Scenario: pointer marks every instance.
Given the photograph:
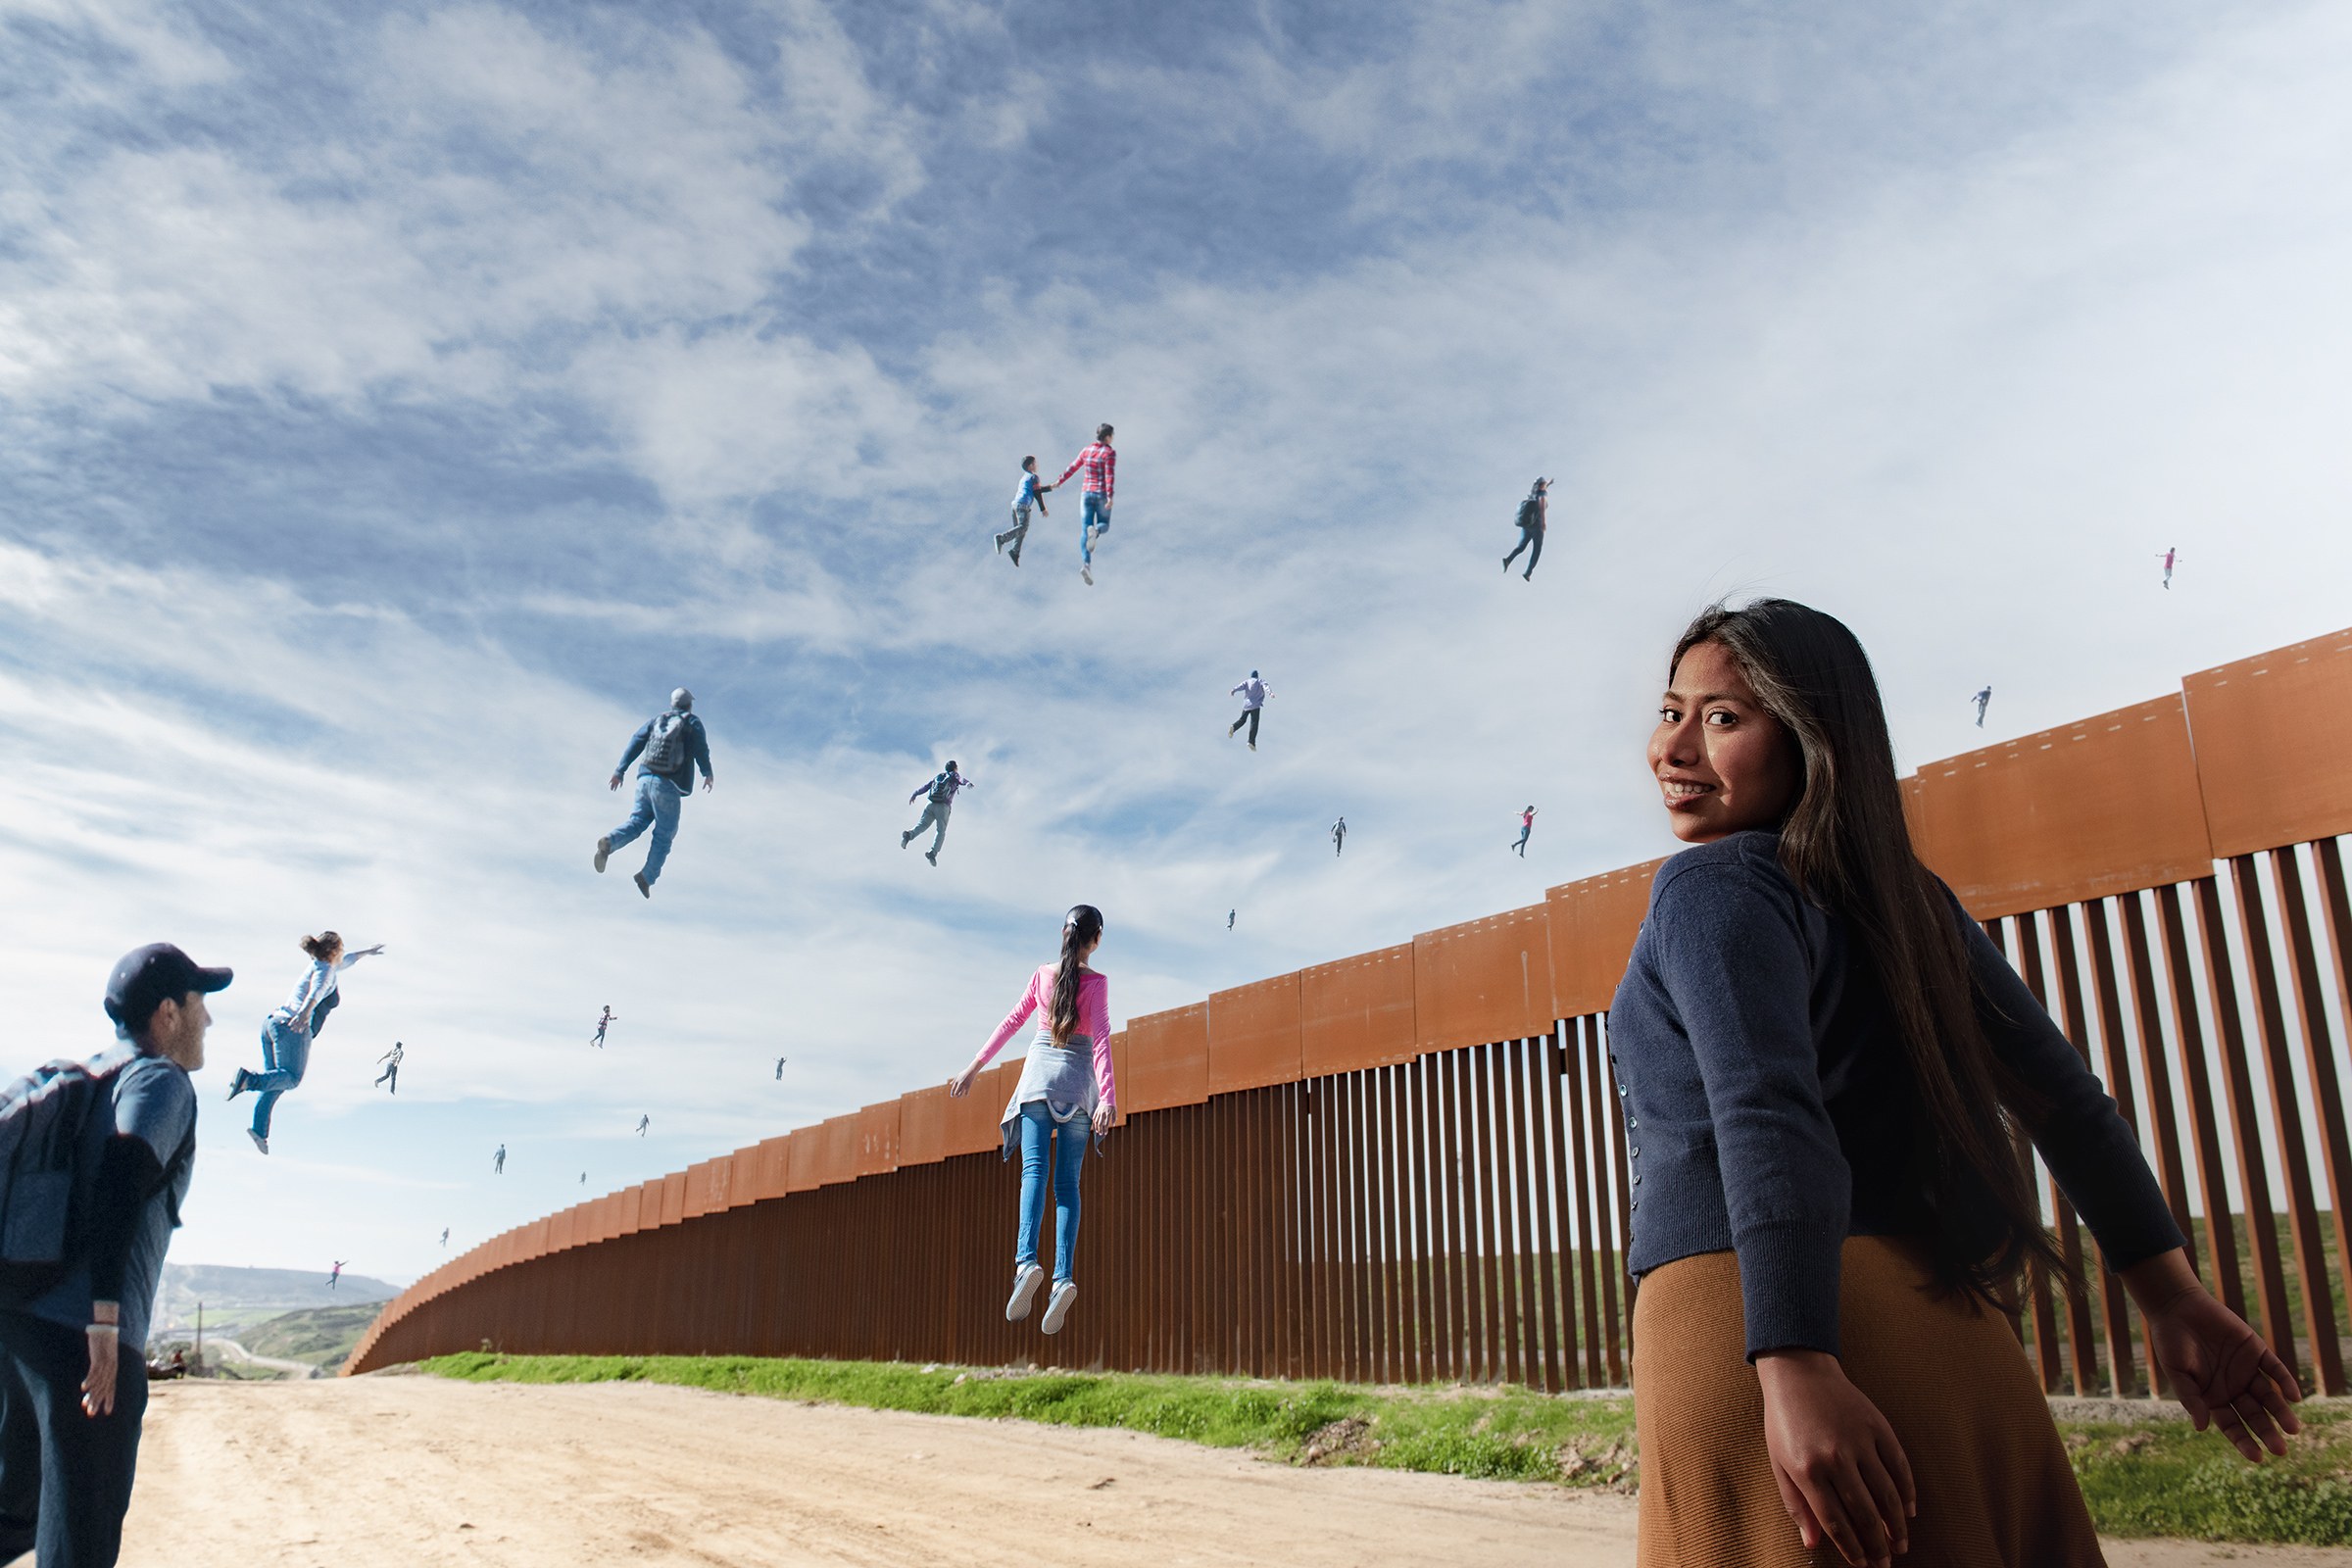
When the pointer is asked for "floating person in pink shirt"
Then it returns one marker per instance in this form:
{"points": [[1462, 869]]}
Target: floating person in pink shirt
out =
{"points": [[2171, 555], [1066, 1090], [334, 1275], [1100, 465], [601, 1024], [1527, 825]]}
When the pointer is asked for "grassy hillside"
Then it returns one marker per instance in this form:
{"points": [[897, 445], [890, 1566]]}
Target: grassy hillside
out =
{"points": [[323, 1336], [241, 1298]]}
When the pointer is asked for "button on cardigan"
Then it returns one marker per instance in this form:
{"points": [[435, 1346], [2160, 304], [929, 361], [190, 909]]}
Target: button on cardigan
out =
{"points": [[1757, 1054]]}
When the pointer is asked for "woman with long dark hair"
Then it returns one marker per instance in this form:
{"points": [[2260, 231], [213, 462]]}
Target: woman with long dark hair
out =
{"points": [[1824, 1065], [287, 1033], [1066, 1090]]}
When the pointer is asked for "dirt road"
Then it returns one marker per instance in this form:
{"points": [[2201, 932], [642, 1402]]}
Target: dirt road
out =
{"points": [[412, 1472]]}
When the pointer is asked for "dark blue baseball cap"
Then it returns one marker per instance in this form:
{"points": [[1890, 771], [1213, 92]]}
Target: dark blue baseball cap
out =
{"points": [[149, 976]]}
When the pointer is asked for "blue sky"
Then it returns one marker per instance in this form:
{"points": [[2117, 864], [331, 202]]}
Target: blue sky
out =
{"points": [[394, 406]]}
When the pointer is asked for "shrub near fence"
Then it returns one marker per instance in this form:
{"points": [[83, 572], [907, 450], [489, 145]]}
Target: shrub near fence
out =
{"points": [[1409, 1165]]}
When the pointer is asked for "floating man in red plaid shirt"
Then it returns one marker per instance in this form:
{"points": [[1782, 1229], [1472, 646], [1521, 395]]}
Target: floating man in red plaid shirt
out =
{"points": [[1101, 465]]}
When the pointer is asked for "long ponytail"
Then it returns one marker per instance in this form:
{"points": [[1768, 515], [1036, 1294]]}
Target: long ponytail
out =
{"points": [[1081, 928]]}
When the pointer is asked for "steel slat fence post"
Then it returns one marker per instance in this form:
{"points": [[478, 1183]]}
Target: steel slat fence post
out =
{"points": [[2318, 1060]]}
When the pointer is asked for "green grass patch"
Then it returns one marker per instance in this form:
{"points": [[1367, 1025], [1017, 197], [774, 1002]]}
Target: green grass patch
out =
{"points": [[2155, 1479], [1504, 1433]]}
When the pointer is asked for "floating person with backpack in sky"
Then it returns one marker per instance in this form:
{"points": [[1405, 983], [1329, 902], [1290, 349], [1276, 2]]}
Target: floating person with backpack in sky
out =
{"points": [[1032, 493], [939, 799], [601, 1024], [1067, 1090], [643, 1122], [1532, 513], [667, 749], [287, 1033], [1100, 465], [1527, 825], [498, 1162], [85, 1231], [1981, 700], [1253, 694]]}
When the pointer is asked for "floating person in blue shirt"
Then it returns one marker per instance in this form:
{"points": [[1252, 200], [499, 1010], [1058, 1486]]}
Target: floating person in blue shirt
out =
{"points": [[1032, 493], [938, 798], [779, 1070], [498, 1162], [1338, 835], [1229, 914], [667, 748], [1982, 698], [390, 1062], [643, 1122]]}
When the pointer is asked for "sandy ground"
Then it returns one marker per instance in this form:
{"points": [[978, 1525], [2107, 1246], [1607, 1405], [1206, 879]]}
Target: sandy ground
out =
{"points": [[391, 1472]]}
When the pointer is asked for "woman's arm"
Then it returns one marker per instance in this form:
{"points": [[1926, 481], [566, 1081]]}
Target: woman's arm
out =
{"points": [[1735, 964], [2084, 1141], [1021, 1012], [1097, 1024]]}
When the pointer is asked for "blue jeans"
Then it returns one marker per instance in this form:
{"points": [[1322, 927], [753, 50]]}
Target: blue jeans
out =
{"points": [[1097, 520], [657, 806], [1037, 1129], [65, 1478], [285, 1057]]}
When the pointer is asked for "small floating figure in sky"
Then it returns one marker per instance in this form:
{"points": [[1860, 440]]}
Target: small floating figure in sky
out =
{"points": [[1338, 835], [939, 799], [2171, 556], [1032, 493], [1531, 521], [601, 1024], [1983, 699], [389, 1079], [1253, 694], [667, 749], [1527, 825]]}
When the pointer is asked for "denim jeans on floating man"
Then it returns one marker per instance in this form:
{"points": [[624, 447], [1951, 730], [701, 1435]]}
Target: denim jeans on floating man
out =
{"points": [[672, 745]]}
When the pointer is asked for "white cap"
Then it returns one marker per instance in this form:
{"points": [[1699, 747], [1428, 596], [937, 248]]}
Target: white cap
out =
{"points": [[681, 700]]}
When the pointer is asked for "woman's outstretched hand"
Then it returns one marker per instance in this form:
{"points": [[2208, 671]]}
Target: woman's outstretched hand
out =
{"points": [[1843, 1475], [961, 1083], [2221, 1370]]}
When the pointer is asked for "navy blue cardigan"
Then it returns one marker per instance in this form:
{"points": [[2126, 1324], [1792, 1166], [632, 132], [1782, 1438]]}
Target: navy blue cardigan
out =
{"points": [[1768, 1105]]}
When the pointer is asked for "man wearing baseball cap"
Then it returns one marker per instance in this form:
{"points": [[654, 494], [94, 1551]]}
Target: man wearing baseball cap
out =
{"points": [[73, 1360]]}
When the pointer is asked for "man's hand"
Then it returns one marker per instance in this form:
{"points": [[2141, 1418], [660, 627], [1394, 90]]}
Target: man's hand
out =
{"points": [[98, 1388], [709, 779], [616, 784]]}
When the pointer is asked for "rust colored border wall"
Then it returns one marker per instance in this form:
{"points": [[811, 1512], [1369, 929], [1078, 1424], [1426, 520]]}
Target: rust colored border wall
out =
{"points": [[1405, 1165]]}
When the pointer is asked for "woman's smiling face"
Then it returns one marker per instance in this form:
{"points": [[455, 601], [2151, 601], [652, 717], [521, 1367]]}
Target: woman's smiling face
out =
{"points": [[1722, 762]]}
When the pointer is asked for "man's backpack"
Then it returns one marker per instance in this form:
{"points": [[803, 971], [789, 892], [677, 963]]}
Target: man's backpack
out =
{"points": [[666, 749], [1531, 512], [942, 790], [46, 1169]]}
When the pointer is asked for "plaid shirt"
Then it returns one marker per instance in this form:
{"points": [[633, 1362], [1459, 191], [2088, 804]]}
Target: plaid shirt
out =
{"points": [[1102, 468]]}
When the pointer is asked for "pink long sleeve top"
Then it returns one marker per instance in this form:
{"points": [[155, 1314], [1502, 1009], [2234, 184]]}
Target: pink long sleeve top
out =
{"points": [[1094, 1022]]}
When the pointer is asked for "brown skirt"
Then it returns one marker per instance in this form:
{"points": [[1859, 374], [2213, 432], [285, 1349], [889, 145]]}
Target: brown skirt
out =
{"points": [[1994, 1488]]}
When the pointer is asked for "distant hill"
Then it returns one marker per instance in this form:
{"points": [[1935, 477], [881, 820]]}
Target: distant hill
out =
{"points": [[323, 1336], [240, 1297]]}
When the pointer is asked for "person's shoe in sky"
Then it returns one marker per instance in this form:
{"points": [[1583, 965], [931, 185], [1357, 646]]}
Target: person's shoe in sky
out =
{"points": [[259, 1142], [1024, 1291], [644, 889], [1057, 1306], [603, 850]]}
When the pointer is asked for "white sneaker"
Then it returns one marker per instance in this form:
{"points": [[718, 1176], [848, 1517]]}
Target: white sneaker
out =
{"points": [[1025, 1282], [1057, 1305], [1088, 573], [604, 852]]}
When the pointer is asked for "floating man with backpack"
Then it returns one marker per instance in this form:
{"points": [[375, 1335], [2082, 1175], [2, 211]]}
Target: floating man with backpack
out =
{"points": [[939, 799], [667, 749], [1253, 693], [1530, 528], [95, 1162]]}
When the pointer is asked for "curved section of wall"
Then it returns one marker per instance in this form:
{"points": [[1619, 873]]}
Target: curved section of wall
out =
{"points": [[1408, 1164]]}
